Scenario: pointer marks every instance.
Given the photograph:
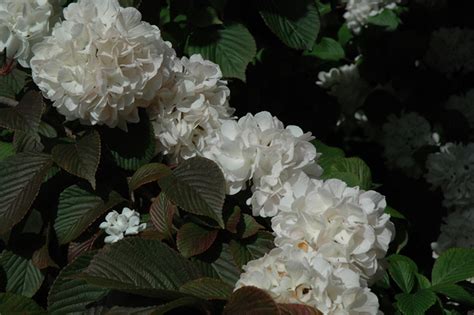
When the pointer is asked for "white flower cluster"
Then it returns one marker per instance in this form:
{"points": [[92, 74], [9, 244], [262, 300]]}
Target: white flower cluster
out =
{"points": [[456, 231], [117, 225], [359, 11], [260, 148], [101, 63], [347, 226], [298, 274], [450, 50], [464, 104], [190, 108], [24, 23], [346, 84], [402, 137], [452, 170]]}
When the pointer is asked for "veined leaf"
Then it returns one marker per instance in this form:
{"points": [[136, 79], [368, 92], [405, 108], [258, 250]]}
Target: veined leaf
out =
{"points": [[193, 239], [22, 277], [26, 116], [18, 304], [452, 266], [208, 289], [403, 271], [6, 150], [417, 303], [250, 300], [162, 211], [148, 173]]}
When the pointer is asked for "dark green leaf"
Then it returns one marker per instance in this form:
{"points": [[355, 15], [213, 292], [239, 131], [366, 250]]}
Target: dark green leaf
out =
{"points": [[6, 150], [81, 158], [353, 169], [417, 303], [18, 304], [455, 292], [78, 209], [225, 267], [26, 116], [394, 213], [208, 289], [148, 173], [198, 186], [193, 239], [403, 271], [21, 176], [231, 46], [387, 18], [328, 49], [344, 35], [250, 249], [22, 277], [248, 226], [13, 83], [452, 266], [233, 220], [296, 23]]}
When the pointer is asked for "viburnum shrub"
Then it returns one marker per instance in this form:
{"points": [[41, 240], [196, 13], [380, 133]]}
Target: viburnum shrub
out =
{"points": [[132, 182]]}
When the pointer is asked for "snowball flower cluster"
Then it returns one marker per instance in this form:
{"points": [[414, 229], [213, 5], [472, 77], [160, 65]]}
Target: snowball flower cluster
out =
{"points": [[261, 148], [117, 225], [450, 50], [101, 63], [452, 170], [298, 274], [24, 23], [190, 108], [358, 12], [402, 137], [347, 226], [346, 84], [464, 104]]}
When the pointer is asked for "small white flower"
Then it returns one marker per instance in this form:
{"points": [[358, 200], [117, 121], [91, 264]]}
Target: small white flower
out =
{"points": [[402, 137], [450, 50], [117, 225], [190, 108], [359, 11], [346, 84], [347, 226], [452, 170], [102, 63], [24, 23], [297, 274]]}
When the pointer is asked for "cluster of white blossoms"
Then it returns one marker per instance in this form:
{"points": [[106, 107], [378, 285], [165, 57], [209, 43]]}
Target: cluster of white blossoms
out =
{"points": [[347, 226], [358, 12], [402, 137], [450, 50], [101, 63], [464, 104], [298, 274], [346, 84], [452, 169], [118, 225], [190, 108], [24, 23], [456, 231], [261, 149]]}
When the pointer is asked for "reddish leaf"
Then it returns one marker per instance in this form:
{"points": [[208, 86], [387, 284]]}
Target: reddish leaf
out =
{"points": [[233, 220], [41, 258], [148, 173], [298, 309], [162, 211], [248, 226], [251, 301], [77, 248], [193, 239]]}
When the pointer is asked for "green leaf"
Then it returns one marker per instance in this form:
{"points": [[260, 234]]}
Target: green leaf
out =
{"points": [[17, 304], [296, 23], [452, 266], [246, 250], [81, 158], [68, 295], [387, 18], [248, 226], [353, 170], [344, 35], [22, 277], [423, 282], [394, 213], [328, 153], [6, 150], [198, 186], [250, 300], [231, 46], [26, 116], [78, 209], [134, 147], [403, 271], [233, 219], [130, 3], [193, 239], [148, 173], [328, 49], [225, 267], [21, 176], [417, 303], [138, 266], [205, 16], [27, 142], [162, 211], [455, 292], [208, 289], [13, 83]]}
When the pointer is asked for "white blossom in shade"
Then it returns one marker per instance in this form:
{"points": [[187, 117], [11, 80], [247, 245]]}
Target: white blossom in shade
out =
{"points": [[24, 23], [299, 275], [346, 84], [358, 12], [347, 226], [189, 110], [118, 225], [102, 63], [450, 50], [464, 104], [402, 137], [452, 170]]}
